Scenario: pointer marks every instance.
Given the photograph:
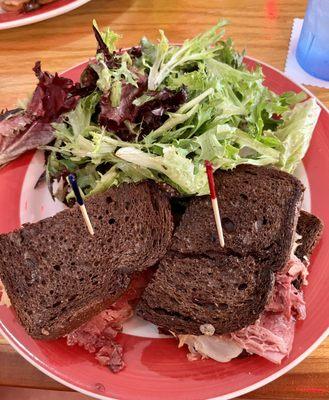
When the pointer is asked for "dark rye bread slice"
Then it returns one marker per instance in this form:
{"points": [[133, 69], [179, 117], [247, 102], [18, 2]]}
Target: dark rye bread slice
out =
{"points": [[259, 209], [227, 292], [202, 283], [57, 276], [310, 228]]}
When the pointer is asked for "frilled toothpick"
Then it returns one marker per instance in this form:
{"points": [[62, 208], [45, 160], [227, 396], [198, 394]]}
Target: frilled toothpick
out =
{"points": [[214, 201], [80, 201]]}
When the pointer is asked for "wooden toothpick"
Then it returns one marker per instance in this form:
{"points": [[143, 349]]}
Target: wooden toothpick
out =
{"points": [[80, 201], [214, 201]]}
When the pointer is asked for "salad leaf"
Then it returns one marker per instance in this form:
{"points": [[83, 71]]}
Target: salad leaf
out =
{"points": [[169, 58], [110, 178], [178, 169], [182, 115], [80, 118], [160, 111], [53, 96], [31, 127], [106, 46], [225, 71], [296, 132], [108, 77], [154, 109], [109, 38], [114, 118]]}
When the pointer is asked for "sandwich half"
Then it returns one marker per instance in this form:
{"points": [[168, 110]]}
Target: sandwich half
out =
{"points": [[202, 290], [57, 276]]}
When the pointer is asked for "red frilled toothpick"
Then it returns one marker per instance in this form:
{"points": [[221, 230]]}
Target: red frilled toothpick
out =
{"points": [[214, 202]]}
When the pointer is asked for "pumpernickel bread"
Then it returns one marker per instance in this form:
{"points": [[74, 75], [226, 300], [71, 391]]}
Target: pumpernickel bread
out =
{"points": [[227, 292], [259, 210], [200, 282], [57, 276], [310, 229]]}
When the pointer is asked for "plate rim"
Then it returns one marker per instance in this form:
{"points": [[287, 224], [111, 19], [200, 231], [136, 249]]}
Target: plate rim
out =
{"points": [[43, 16], [30, 358]]}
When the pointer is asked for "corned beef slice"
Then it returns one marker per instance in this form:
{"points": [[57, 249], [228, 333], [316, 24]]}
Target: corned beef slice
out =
{"points": [[271, 336], [98, 335]]}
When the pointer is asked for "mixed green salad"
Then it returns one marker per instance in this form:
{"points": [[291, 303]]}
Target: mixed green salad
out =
{"points": [[158, 111]]}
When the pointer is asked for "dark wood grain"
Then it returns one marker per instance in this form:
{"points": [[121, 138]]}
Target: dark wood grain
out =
{"points": [[261, 26]]}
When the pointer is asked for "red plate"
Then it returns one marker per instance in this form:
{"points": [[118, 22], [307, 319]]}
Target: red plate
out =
{"points": [[13, 19], [156, 369]]}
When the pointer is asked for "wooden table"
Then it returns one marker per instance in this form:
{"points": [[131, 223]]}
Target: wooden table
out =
{"points": [[261, 26]]}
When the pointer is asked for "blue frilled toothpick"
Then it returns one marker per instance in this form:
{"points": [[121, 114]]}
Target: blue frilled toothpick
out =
{"points": [[80, 201]]}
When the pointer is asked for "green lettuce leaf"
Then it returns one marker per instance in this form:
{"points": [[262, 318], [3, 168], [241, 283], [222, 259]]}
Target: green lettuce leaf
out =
{"points": [[296, 132], [230, 118], [109, 37], [169, 58], [178, 169]]}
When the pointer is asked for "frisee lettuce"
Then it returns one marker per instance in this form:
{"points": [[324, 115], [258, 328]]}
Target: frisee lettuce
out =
{"points": [[169, 58], [110, 38], [229, 117], [296, 133]]}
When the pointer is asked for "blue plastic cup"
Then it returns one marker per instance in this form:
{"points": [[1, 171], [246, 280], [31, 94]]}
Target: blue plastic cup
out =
{"points": [[313, 45]]}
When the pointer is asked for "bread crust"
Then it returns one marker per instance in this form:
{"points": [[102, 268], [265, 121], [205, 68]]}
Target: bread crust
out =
{"points": [[57, 276], [310, 229], [259, 209]]}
